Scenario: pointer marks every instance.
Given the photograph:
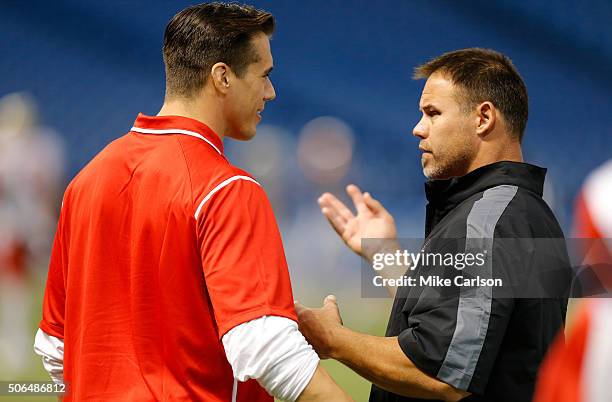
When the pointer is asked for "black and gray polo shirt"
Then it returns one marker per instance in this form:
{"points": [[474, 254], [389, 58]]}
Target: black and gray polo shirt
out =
{"points": [[475, 338]]}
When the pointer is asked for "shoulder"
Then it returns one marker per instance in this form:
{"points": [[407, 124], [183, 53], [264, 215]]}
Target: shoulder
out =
{"points": [[528, 215], [237, 186], [100, 163], [510, 211], [225, 175]]}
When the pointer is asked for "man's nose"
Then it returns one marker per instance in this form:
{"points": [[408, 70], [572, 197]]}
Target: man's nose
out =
{"points": [[420, 130], [270, 93]]}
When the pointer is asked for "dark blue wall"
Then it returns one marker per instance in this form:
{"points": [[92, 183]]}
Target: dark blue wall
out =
{"points": [[92, 66]]}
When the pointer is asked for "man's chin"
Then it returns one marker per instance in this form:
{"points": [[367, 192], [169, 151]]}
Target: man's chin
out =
{"points": [[429, 176], [428, 171], [434, 173], [243, 135]]}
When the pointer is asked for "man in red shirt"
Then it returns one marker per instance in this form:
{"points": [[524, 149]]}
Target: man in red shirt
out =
{"points": [[168, 279]]}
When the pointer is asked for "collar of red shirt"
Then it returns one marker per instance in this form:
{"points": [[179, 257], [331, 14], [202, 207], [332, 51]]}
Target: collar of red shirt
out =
{"points": [[177, 125]]}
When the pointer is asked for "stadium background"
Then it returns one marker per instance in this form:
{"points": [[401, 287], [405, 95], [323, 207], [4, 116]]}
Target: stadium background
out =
{"points": [[344, 112]]}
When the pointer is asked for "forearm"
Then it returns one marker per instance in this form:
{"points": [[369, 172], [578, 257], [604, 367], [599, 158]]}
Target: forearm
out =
{"points": [[323, 388], [386, 365]]}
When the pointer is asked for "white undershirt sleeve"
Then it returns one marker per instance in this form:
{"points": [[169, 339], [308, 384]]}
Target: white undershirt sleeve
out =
{"points": [[51, 349], [271, 350]]}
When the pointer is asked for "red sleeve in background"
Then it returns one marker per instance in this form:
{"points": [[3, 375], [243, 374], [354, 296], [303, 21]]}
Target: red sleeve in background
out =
{"points": [[583, 222], [560, 377]]}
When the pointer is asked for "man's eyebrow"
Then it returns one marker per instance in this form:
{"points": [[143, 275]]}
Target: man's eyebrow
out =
{"points": [[427, 106]]}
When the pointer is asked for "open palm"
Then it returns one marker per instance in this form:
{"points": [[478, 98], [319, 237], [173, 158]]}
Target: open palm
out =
{"points": [[372, 220]]}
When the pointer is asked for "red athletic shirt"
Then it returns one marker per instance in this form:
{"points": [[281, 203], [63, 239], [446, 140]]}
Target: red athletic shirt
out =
{"points": [[162, 246]]}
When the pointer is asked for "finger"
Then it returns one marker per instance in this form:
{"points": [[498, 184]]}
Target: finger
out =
{"points": [[373, 203], [357, 197], [335, 220], [330, 201], [333, 214]]}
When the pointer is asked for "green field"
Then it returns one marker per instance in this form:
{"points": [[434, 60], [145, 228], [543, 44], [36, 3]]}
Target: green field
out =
{"points": [[34, 369], [364, 315]]}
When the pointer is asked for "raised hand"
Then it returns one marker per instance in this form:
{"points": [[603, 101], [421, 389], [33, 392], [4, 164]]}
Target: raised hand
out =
{"points": [[372, 220]]}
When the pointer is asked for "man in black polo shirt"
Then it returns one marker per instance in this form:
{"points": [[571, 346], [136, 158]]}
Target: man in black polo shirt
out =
{"points": [[464, 342]]}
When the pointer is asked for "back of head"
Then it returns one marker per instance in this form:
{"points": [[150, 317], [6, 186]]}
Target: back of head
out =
{"points": [[484, 75], [200, 36]]}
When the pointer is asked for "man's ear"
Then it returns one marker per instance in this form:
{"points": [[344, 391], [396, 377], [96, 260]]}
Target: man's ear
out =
{"points": [[486, 118], [221, 75]]}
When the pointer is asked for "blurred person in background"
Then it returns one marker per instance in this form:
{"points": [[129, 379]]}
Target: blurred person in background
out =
{"points": [[578, 367], [593, 216], [168, 279], [31, 177], [324, 156], [324, 153], [470, 344]]}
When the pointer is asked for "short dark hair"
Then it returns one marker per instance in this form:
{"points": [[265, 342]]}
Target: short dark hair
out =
{"points": [[200, 36], [484, 75]]}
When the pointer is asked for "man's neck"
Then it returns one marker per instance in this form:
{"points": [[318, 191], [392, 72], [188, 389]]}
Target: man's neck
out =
{"points": [[511, 152], [197, 109]]}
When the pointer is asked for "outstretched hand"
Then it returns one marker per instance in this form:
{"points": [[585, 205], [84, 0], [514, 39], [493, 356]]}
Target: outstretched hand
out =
{"points": [[372, 220]]}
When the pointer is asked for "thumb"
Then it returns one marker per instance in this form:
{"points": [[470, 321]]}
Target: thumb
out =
{"points": [[330, 301], [299, 308]]}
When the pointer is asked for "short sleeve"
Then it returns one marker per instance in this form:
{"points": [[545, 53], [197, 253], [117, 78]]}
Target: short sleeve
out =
{"points": [[54, 302], [455, 334], [244, 263]]}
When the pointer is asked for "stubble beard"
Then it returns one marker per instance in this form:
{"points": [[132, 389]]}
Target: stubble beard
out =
{"points": [[453, 164]]}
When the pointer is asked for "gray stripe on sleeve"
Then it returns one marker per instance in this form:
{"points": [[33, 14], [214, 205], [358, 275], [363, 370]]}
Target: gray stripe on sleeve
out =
{"points": [[474, 308]]}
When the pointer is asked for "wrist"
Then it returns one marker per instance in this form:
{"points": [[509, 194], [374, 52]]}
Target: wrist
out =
{"points": [[337, 341]]}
